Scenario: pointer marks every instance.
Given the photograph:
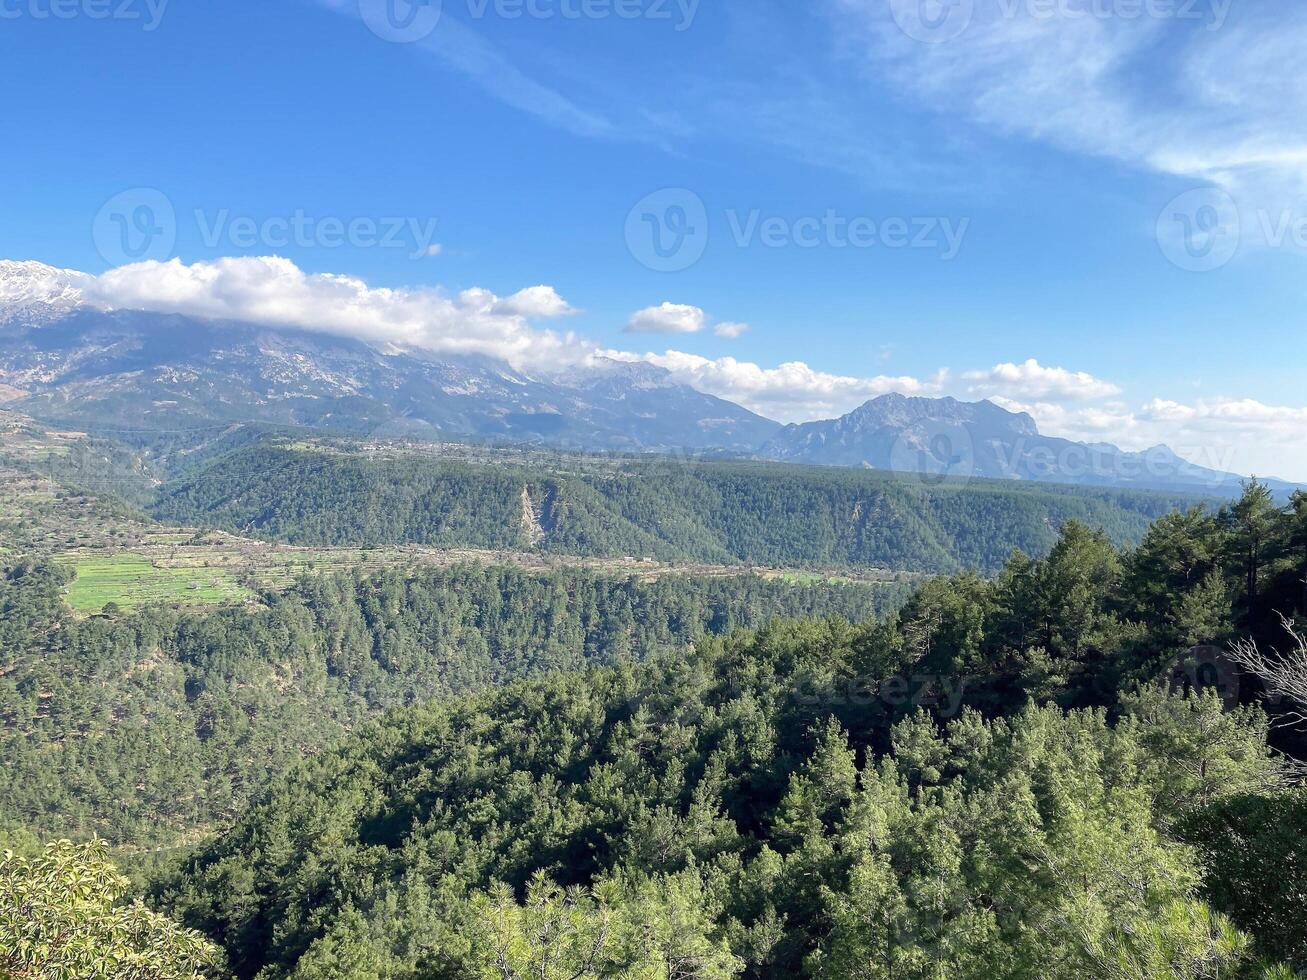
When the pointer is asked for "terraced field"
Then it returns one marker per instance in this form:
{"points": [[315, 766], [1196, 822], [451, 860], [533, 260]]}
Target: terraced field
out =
{"points": [[223, 568], [128, 580]]}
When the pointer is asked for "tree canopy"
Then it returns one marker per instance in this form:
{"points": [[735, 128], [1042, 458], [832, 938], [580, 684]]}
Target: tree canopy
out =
{"points": [[61, 918]]}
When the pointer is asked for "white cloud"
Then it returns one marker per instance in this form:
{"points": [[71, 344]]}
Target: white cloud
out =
{"points": [[1031, 380], [535, 302], [668, 318], [1246, 411], [1235, 435], [275, 292], [673, 318], [1107, 422], [434, 250], [792, 392]]}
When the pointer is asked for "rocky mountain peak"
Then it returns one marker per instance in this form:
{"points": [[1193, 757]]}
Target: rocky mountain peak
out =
{"points": [[896, 410], [33, 292]]}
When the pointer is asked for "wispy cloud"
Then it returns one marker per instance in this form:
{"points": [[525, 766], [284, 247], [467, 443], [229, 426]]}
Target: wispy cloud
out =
{"points": [[461, 49], [1207, 93], [731, 331], [801, 108], [1210, 92]]}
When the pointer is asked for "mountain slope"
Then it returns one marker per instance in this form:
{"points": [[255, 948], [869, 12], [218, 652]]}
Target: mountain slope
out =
{"points": [[751, 770], [63, 359], [32, 293], [336, 493], [953, 440], [133, 370]]}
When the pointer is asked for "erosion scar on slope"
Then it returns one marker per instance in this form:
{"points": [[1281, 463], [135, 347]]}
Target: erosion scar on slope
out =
{"points": [[531, 520]]}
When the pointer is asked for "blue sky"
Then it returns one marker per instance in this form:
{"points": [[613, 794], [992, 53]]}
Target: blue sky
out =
{"points": [[984, 198]]}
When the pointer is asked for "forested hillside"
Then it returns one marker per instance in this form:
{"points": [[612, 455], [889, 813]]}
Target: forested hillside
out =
{"points": [[664, 508], [1033, 776], [725, 828], [76, 459], [419, 773], [154, 726]]}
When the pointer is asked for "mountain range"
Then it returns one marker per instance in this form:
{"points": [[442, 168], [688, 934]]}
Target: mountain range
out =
{"points": [[64, 360], [943, 438]]}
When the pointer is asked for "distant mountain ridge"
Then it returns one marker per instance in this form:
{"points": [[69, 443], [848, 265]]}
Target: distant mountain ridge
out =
{"points": [[61, 359], [64, 359], [946, 439]]}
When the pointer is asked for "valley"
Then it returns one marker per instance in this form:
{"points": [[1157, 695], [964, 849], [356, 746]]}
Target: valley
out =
{"points": [[120, 555], [677, 681], [653, 490]]}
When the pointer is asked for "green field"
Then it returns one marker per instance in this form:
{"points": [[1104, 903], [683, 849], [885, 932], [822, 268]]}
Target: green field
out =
{"points": [[129, 580], [815, 578]]}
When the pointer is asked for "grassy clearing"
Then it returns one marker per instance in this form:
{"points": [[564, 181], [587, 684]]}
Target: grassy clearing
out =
{"points": [[219, 571], [129, 580], [814, 578]]}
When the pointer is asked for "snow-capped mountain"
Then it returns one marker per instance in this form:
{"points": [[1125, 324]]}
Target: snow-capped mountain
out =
{"points": [[32, 292], [128, 370], [64, 359]]}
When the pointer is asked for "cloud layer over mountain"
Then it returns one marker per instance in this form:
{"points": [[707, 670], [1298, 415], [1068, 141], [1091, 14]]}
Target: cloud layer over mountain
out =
{"points": [[1227, 432]]}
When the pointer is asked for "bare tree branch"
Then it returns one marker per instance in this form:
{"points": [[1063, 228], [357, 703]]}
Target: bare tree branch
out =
{"points": [[1284, 675]]}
